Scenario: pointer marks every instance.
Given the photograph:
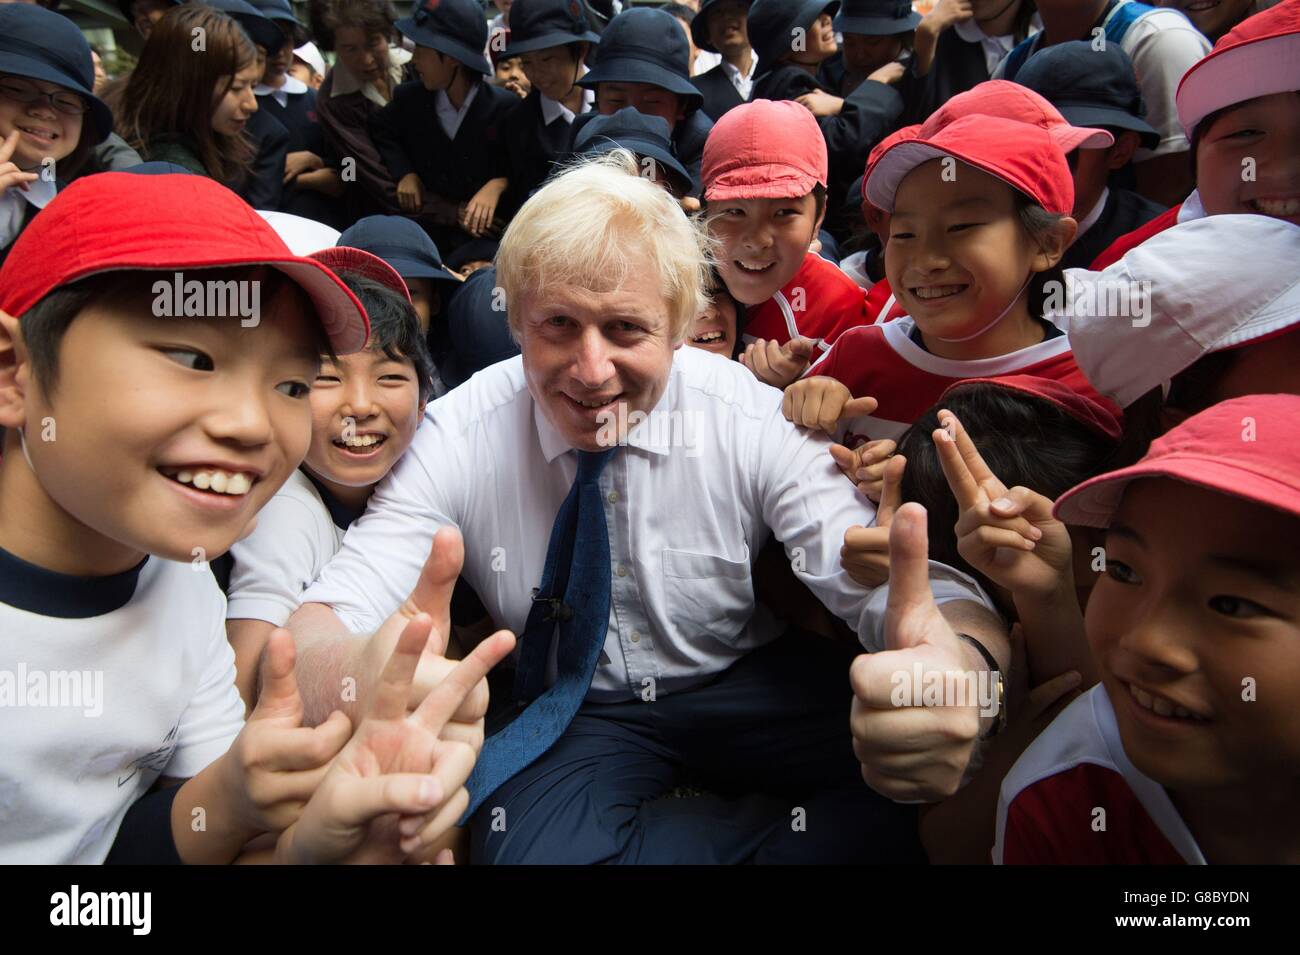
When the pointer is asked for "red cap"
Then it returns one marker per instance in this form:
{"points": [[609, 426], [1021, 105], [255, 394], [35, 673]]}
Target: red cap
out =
{"points": [[1023, 156], [1092, 411], [764, 149], [118, 221], [1260, 56], [1243, 448], [901, 135], [1013, 101], [341, 258]]}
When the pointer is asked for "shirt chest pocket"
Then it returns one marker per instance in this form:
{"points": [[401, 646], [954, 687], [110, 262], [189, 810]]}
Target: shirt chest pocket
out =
{"points": [[707, 595]]}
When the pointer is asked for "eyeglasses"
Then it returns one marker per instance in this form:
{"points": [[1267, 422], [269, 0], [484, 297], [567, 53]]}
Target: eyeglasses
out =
{"points": [[23, 92]]}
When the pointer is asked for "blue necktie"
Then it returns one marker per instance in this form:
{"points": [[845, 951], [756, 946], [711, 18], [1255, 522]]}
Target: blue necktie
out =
{"points": [[574, 594]]}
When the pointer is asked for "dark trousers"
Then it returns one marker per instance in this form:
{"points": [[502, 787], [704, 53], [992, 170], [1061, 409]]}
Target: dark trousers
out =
{"points": [[768, 740]]}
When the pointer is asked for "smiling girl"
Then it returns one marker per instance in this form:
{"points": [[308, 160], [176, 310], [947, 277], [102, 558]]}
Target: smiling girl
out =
{"points": [[190, 106], [49, 118]]}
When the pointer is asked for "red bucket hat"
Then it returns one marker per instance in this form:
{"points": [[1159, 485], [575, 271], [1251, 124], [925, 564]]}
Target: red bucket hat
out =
{"points": [[1260, 56], [764, 149], [1210, 450], [1013, 101]]}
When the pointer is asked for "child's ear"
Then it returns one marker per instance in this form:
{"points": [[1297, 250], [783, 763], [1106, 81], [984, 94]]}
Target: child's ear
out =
{"points": [[1054, 242], [1126, 144], [14, 373]]}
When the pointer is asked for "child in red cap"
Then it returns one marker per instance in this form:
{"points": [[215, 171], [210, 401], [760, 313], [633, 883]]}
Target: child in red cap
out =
{"points": [[1186, 752], [1240, 107], [979, 218], [764, 178], [157, 345]]}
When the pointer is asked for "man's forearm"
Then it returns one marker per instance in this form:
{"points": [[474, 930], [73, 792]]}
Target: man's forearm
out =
{"points": [[327, 663]]}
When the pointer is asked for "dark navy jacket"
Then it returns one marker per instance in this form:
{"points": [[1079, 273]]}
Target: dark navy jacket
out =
{"points": [[532, 146], [1124, 211], [720, 94]]}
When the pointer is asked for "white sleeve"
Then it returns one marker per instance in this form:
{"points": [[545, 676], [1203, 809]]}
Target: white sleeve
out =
{"points": [[385, 549], [277, 562], [1163, 46], [215, 712], [809, 504]]}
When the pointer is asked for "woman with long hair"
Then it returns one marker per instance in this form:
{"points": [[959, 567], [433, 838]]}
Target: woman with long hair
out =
{"points": [[189, 99]]}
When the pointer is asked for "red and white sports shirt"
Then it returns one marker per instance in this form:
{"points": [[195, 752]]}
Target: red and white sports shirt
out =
{"points": [[1073, 798]]}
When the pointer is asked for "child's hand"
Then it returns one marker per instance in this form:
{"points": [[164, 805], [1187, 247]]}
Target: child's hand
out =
{"points": [[10, 175], [865, 465], [277, 761], [476, 215], [397, 785], [889, 73], [410, 193], [1029, 554], [297, 163], [690, 205], [822, 402], [946, 13], [821, 103], [778, 365], [865, 554]]}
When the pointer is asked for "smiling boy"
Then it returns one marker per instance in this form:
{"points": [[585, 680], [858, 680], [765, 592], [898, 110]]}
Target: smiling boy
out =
{"points": [[1189, 745], [137, 448]]}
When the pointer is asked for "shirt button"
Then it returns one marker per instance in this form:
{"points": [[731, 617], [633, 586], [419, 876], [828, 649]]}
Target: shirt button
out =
{"points": [[613, 497], [621, 570], [636, 637]]}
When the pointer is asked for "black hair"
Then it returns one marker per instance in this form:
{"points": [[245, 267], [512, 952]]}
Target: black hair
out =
{"points": [[1026, 441], [394, 328], [679, 10], [45, 323], [1038, 222]]}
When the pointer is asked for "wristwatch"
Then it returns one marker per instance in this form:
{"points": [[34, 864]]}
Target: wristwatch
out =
{"points": [[1000, 721]]}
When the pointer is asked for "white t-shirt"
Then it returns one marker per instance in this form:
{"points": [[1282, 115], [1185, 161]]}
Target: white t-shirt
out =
{"points": [[105, 684], [1163, 45], [295, 537]]}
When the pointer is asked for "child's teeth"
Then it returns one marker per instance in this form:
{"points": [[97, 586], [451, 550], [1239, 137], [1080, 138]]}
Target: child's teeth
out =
{"points": [[1278, 207], [203, 480], [1161, 706], [217, 482], [185, 477], [239, 484]]}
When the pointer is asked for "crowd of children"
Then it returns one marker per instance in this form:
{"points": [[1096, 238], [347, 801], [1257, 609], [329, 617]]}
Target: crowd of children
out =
{"points": [[1031, 264]]}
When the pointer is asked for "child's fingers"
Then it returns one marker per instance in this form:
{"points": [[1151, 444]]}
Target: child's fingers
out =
{"points": [[444, 857], [303, 748], [1021, 500], [394, 688], [857, 407], [970, 454], [846, 460], [983, 545], [891, 491], [440, 824], [872, 454], [964, 488], [859, 540], [279, 694], [971, 519], [9, 145], [359, 799], [442, 702]]}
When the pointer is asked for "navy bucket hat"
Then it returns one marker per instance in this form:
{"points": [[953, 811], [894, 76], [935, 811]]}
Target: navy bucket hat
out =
{"points": [[1090, 87], [479, 334], [700, 25], [876, 17], [256, 24], [643, 135], [399, 242], [42, 45], [772, 22], [542, 24], [645, 45], [455, 28]]}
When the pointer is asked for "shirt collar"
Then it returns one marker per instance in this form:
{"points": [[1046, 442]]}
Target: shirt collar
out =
{"points": [[345, 81], [554, 109], [292, 86], [733, 71], [50, 594], [1192, 208], [1088, 221]]}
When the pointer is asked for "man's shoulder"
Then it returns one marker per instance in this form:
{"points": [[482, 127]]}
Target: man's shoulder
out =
{"points": [[712, 378], [485, 394]]}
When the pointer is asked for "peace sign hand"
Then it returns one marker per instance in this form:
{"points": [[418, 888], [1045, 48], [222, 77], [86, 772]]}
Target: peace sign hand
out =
{"points": [[865, 554], [10, 175], [395, 765], [1007, 534]]}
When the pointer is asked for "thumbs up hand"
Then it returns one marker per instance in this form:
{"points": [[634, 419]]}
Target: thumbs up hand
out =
{"points": [[911, 752]]}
